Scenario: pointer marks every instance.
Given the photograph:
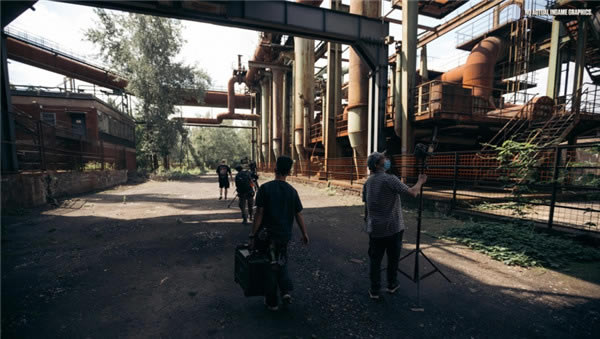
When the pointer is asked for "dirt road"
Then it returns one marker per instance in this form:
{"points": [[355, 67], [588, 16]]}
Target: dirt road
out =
{"points": [[155, 260]]}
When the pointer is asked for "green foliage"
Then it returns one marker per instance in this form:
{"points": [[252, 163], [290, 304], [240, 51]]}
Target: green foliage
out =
{"points": [[178, 173], [143, 48], [522, 245], [517, 161], [97, 166], [213, 144]]}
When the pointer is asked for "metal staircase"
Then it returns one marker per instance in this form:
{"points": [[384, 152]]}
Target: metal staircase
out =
{"points": [[592, 45], [540, 132]]}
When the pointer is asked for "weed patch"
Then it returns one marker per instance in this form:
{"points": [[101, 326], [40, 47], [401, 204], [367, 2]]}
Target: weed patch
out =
{"points": [[521, 245]]}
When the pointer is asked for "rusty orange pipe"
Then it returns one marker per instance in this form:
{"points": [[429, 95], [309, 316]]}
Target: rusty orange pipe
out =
{"points": [[478, 71], [230, 114]]}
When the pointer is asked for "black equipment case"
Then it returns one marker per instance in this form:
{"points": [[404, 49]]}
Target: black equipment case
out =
{"points": [[250, 270]]}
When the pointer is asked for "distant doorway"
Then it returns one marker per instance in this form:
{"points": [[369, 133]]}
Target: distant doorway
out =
{"points": [[78, 124]]}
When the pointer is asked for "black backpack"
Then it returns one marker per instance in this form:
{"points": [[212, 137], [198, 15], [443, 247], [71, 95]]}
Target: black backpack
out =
{"points": [[243, 182]]}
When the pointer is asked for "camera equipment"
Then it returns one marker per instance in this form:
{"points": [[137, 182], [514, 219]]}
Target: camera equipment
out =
{"points": [[232, 200], [421, 154], [251, 267]]}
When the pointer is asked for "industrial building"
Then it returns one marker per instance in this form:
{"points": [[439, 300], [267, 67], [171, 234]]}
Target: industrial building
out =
{"points": [[328, 84]]}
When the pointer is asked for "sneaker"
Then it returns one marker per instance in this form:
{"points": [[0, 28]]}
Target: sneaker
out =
{"points": [[393, 288], [373, 294], [271, 308], [286, 299], [245, 222], [220, 198]]}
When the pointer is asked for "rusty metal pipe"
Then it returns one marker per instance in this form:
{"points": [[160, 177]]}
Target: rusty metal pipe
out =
{"points": [[229, 115], [358, 90], [454, 75], [478, 71], [277, 115]]}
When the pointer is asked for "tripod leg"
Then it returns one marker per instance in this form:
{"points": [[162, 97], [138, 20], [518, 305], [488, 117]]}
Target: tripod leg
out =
{"points": [[435, 267]]}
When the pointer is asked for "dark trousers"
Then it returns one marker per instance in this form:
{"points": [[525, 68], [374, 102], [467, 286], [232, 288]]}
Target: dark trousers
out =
{"points": [[246, 200], [377, 248], [278, 278]]}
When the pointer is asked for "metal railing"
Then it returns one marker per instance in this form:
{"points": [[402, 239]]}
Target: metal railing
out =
{"points": [[485, 23], [54, 47], [565, 191], [44, 146]]}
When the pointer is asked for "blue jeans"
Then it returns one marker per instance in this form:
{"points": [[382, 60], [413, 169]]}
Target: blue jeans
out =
{"points": [[392, 245], [278, 276]]}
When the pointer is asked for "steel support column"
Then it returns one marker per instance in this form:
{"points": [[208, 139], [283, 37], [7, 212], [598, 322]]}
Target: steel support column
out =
{"points": [[409, 60], [554, 61], [333, 99], [579, 62], [9, 152]]}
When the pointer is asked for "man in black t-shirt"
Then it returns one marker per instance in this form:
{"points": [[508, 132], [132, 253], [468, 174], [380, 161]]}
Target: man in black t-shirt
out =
{"points": [[278, 204], [222, 171]]}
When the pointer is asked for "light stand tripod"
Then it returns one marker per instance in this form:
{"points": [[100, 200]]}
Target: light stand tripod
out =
{"points": [[421, 155], [232, 200]]}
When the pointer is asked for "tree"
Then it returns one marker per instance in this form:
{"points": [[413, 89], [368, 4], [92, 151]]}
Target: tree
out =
{"points": [[143, 48], [213, 144]]}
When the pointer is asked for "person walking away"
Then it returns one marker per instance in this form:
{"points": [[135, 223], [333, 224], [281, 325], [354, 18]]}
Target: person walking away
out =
{"points": [[384, 221], [254, 172], [222, 171], [278, 204], [245, 191]]}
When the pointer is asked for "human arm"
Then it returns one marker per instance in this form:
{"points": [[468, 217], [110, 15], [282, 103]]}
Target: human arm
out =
{"points": [[416, 189], [302, 226], [257, 221]]}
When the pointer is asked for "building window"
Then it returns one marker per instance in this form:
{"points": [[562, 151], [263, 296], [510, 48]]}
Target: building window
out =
{"points": [[49, 118]]}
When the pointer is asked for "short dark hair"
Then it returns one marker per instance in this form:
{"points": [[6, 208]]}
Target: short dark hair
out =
{"points": [[238, 168], [283, 165]]}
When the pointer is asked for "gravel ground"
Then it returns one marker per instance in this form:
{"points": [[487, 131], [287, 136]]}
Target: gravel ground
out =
{"points": [[156, 260]]}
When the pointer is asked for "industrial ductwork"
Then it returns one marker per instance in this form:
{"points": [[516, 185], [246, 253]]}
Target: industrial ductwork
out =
{"points": [[358, 90], [230, 114], [478, 71]]}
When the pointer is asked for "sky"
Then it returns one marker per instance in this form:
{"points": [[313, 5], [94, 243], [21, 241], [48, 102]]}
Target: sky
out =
{"points": [[210, 47]]}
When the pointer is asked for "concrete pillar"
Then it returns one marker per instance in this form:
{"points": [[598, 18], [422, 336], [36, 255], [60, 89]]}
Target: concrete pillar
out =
{"points": [[409, 56], [277, 112], [554, 61]]}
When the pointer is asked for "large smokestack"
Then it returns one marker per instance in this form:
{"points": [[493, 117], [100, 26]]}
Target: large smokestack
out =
{"points": [[358, 90]]}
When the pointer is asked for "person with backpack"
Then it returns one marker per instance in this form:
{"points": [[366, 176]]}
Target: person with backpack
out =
{"points": [[244, 185], [222, 171]]}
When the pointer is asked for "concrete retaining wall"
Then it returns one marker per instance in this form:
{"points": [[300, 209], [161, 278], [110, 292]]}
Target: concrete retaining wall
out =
{"points": [[35, 189]]}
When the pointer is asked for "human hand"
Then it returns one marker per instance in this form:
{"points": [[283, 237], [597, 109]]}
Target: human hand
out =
{"points": [[422, 178], [305, 239]]}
